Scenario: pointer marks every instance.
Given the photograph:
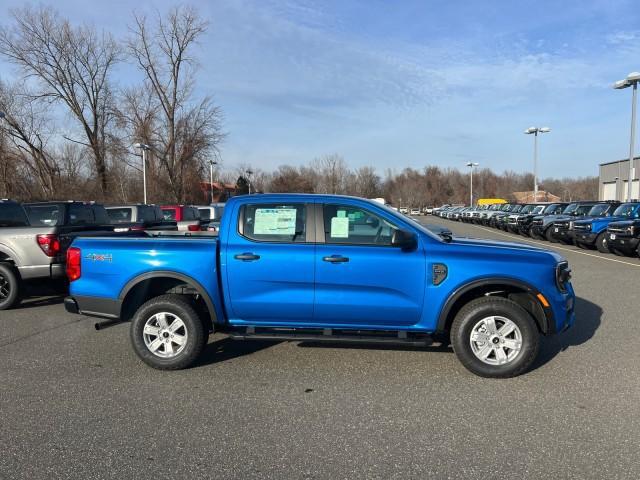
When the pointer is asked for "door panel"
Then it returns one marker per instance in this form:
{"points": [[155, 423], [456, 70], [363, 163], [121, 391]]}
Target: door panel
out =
{"points": [[372, 283], [269, 265]]}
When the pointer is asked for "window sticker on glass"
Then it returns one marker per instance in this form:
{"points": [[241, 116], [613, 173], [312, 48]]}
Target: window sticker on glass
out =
{"points": [[339, 227], [275, 221], [341, 213]]}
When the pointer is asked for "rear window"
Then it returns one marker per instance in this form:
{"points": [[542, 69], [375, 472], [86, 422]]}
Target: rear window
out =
{"points": [[190, 213], [44, 215], [146, 214], [119, 215], [12, 215]]}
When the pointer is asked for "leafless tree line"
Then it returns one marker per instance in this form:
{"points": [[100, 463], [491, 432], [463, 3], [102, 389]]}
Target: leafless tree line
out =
{"points": [[69, 126], [431, 185]]}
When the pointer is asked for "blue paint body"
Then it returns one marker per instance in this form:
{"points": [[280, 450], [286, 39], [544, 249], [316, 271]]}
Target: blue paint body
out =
{"points": [[381, 287]]}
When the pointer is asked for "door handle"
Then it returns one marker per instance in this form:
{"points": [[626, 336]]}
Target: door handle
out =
{"points": [[247, 257], [336, 259]]}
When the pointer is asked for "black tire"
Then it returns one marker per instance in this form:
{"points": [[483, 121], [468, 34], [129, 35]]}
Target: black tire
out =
{"points": [[601, 243], [581, 245], [548, 233], [10, 286], [194, 329], [619, 253], [474, 312]]}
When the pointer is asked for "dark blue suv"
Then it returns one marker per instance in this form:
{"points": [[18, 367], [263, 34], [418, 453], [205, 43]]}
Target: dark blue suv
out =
{"points": [[592, 232]]}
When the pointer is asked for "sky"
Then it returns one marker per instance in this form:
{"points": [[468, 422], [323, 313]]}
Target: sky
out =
{"points": [[407, 83]]}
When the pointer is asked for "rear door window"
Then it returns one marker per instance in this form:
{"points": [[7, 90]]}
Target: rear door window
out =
{"points": [[44, 215], [119, 215], [169, 213], [146, 214], [282, 223]]}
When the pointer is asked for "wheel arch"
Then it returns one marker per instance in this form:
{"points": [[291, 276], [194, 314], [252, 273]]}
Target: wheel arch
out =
{"points": [[151, 284], [517, 290]]}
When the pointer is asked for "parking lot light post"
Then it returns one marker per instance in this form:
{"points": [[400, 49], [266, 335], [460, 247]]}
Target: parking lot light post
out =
{"points": [[535, 131], [249, 173], [631, 81], [211, 164], [472, 165], [144, 148]]}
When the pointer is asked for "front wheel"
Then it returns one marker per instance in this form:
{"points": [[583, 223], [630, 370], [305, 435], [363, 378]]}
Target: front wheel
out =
{"points": [[495, 337], [167, 333], [601, 243]]}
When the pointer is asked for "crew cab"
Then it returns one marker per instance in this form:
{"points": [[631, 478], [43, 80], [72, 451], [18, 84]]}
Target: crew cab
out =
{"points": [[34, 239], [592, 232], [137, 217], [331, 268]]}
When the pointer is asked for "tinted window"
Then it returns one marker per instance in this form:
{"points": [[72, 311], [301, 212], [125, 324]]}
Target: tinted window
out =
{"points": [[204, 214], [598, 210], [274, 223], [44, 215], [119, 215], [355, 225], [146, 214], [583, 209], [81, 215], [169, 213], [100, 214], [190, 213], [627, 210], [12, 215]]}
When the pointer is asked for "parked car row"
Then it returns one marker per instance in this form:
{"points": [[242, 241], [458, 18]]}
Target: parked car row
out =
{"points": [[608, 226], [34, 236]]}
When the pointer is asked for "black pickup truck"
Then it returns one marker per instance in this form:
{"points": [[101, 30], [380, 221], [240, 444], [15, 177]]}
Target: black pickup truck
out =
{"points": [[138, 217]]}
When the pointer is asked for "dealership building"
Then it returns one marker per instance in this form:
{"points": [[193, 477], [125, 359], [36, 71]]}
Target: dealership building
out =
{"points": [[614, 180]]}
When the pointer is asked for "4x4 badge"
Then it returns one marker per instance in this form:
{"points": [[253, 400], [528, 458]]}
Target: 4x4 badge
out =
{"points": [[99, 257]]}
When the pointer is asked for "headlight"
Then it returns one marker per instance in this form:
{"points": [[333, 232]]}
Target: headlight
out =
{"points": [[563, 276], [587, 227]]}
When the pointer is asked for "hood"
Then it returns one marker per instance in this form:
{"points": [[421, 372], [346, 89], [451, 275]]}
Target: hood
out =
{"points": [[600, 219], [495, 247], [626, 223]]}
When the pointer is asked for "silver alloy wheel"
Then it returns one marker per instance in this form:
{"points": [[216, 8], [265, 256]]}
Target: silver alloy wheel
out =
{"points": [[5, 288], [165, 335], [496, 340]]}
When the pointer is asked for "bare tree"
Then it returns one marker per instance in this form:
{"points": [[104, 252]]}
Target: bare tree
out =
{"points": [[73, 66], [182, 131], [332, 173], [25, 124]]}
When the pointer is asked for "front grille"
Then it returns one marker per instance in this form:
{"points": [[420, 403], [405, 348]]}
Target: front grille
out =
{"points": [[537, 223], [582, 228], [561, 224], [619, 230]]}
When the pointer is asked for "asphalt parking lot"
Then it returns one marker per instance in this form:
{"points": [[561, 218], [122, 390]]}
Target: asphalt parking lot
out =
{"points": [[76, 403]]}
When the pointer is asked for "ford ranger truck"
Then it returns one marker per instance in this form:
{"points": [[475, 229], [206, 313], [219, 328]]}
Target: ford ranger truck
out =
{"points": [[592, 232], [324, 268]]}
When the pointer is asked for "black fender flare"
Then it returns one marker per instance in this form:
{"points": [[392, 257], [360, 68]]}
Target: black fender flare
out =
{"points": [[547, 327], [175, 275]]}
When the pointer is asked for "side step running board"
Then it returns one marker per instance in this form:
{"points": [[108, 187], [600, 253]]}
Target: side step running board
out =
{"points": [[401, 338]]}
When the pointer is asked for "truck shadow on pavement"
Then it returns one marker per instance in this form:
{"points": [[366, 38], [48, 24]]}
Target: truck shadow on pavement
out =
{"points": [[588, 319]]}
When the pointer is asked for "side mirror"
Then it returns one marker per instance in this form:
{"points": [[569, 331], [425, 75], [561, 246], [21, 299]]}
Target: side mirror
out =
{"points": [[404, 240]]}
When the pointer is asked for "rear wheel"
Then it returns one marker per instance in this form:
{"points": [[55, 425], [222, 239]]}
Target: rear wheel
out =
{"points": [[495, 337], [9, 286], [582, 245], [601, 243], [167, 333], [619, 253]]}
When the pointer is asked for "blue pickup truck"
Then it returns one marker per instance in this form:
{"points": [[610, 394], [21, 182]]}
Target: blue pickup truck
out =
{"points": [[324, 268]]}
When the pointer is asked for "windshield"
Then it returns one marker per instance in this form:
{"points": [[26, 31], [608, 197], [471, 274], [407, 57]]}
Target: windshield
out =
{"points": [[570, 208], [538, 209], [44, 215], [527, 208], [552, 208], [516, 208], [583, 209], [627, 210], [599, 210]]}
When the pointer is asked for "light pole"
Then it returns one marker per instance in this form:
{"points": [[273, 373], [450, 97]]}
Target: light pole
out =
{"points": [[472, 165], [631, 81], [535, 131], [144, 148], [249, 172], [211, 164]]}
